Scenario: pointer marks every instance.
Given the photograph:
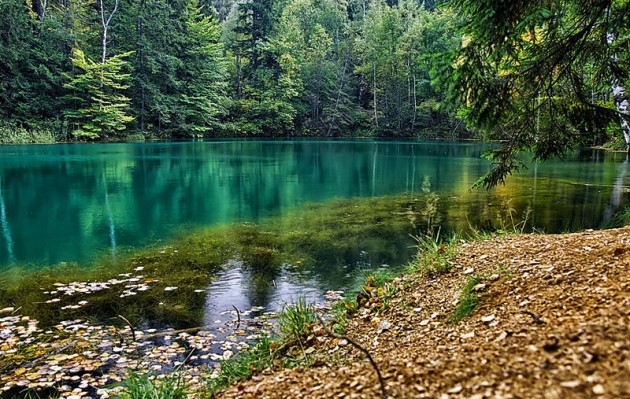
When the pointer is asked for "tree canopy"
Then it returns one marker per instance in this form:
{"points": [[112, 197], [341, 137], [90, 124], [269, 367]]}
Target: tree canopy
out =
{"points": [[540, 75]]}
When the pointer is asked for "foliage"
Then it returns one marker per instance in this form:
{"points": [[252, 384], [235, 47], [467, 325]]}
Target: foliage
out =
{"points": [[12, 134], [540, 78], [97, 90], [180, 69]]}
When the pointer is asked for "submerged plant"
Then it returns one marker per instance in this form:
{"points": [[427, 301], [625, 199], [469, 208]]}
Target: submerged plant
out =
{"points": [[510, 221]]}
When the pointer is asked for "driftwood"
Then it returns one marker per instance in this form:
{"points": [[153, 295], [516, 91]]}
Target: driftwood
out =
{"points": [[362, 349], [133, 330]]}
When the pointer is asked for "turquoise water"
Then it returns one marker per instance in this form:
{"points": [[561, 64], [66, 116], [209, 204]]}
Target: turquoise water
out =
{"points": [[71, 202]]}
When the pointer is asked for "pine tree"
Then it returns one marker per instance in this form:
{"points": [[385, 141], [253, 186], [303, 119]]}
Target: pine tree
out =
{"points": [[203, 85]]}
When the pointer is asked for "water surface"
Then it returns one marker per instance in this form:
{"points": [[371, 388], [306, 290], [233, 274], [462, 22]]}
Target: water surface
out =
{"points": [[69, 202]]}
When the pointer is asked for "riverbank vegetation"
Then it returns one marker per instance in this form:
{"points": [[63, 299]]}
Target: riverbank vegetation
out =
{"points": [[131, 69], [500, 322]]}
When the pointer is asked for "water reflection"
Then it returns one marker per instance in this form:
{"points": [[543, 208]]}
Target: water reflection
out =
{"points": [[240, 287], [68, 202]]}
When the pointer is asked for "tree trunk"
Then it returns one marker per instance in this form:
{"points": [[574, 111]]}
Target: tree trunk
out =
{"points": [[105, 23], [620, 97], [623, 107], [239, 89], [342, 80], [374, 90]]}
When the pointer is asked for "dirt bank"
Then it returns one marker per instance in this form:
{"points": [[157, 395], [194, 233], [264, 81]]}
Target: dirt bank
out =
{"points": [[553, 321]]}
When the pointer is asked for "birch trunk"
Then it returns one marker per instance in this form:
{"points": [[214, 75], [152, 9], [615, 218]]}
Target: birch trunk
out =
{"points": [[623, 107], [620, 97], [105, 22], [374, 90]]}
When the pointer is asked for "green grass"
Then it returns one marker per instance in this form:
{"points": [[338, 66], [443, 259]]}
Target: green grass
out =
{"points": [[468, 300], [296, 321], [620, 219], [434, 255], [11, 134], [242, 366], [143, 387]]}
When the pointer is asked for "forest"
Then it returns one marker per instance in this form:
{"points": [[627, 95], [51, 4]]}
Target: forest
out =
{"points": [[125, 69]]}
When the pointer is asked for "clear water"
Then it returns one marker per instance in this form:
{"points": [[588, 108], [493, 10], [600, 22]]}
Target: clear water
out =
{"points": [[70, 202]]}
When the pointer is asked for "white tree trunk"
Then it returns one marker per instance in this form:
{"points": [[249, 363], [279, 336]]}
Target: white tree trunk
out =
{"points": [[623, 107], [105, 22], [620, 96]]}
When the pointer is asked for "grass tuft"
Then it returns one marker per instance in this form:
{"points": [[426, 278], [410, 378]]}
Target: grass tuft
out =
{"points": [[144, 387], [434, 255], [296, 321], [468, 300]]}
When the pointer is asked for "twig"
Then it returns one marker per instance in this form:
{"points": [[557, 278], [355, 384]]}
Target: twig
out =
{"points": [[535, 318], [362, 349], [133, 331], [238, 315]]}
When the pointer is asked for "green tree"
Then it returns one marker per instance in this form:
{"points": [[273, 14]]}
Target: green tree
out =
{"points": [[537, 74], [203, 99], [97, 106]]}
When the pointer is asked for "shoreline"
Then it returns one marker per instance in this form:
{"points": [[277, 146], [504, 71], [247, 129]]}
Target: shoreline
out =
{"points": [[549, 312]]}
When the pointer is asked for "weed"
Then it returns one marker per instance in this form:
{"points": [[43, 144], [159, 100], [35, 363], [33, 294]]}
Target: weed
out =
{"points": [[296, 321], [468, 300], [243, 365], [620, 219], [505, 271], [434, 255], [145, 387], [509, 220]]}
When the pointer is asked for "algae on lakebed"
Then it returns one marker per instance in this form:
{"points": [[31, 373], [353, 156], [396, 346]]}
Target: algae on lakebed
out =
{"points": [[164, 284]]}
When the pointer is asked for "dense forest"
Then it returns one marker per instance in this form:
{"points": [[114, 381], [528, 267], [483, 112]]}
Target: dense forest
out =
{"points": [[108, 69], [539, 75]]}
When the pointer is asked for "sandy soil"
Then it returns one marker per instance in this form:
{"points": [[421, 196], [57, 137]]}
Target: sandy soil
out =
{"points": [[553, 322]]}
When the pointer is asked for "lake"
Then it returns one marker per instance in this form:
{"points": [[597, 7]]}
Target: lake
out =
{"points": [[68, 202]]}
